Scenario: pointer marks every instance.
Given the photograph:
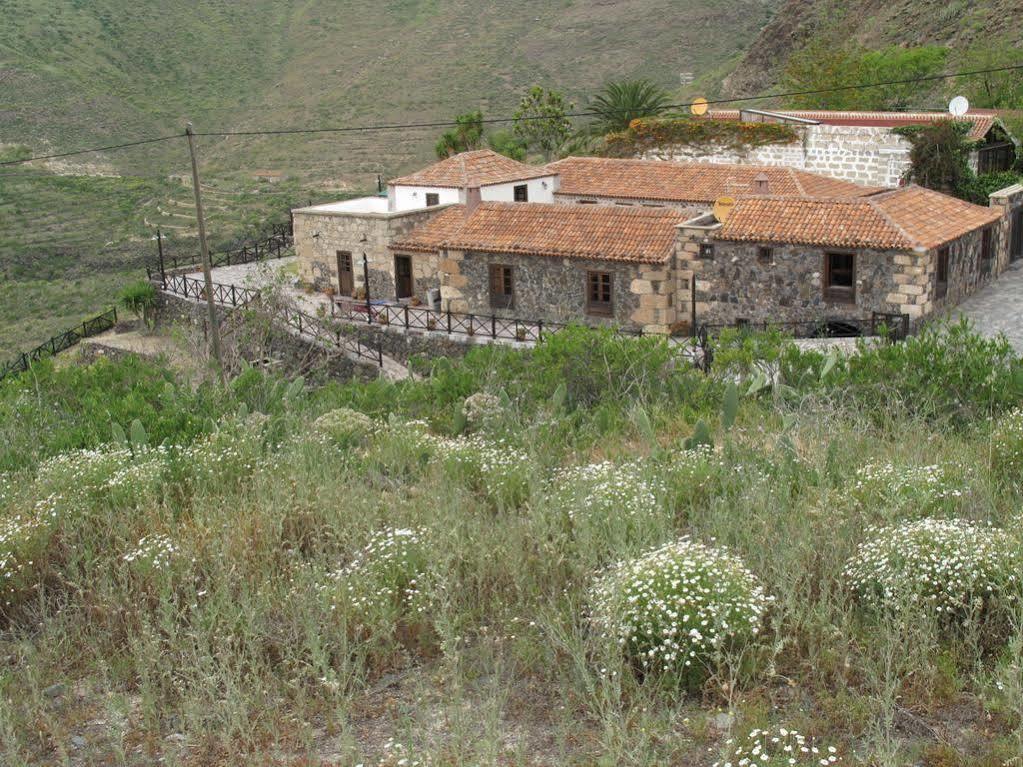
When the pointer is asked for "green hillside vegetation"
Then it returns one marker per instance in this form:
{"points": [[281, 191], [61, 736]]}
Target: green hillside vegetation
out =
{"points": [[83, 74], [438, 571]]}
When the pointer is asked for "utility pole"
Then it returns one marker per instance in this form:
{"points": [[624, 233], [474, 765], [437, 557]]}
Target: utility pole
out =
{"points": [[205, 251]]}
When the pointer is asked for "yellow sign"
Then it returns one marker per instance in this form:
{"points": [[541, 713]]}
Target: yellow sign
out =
{"points": [[699, 106], [723, 208]]}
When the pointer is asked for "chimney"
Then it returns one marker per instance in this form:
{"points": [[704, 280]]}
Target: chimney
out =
{"points": [[762, 184], [472, 199]]}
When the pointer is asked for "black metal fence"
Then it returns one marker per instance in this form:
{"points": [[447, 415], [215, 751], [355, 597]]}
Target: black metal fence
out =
{"points": [[58, 343], [281, 238], [446, 321], [307, 325]]}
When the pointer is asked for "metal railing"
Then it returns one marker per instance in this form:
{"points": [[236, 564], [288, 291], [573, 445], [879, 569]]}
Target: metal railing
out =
{"points": [[446, 321], [273, 246], [307, 325], [58, 343]]}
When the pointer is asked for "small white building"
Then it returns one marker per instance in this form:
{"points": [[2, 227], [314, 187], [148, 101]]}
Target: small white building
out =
{"points": [[499, 178]]}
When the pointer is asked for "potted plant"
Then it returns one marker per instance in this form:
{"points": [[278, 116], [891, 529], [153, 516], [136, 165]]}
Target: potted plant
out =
{"points": [[431, 323], [520, 333], [414, 301]]}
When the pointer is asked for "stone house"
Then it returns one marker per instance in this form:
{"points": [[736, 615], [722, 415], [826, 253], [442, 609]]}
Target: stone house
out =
{"points": [[603, 265], [854, 146], [907, 251], [340, 244], [638, 243]]}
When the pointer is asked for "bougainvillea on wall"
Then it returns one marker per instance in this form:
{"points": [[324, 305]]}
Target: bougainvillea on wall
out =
{"points": [[645, 135]]}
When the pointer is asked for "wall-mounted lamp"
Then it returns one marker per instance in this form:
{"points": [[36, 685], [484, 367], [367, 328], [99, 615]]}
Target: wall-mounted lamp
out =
{"points": [[363, 238]]}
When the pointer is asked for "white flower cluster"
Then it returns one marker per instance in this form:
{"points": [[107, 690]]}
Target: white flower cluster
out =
{"points": [[1007, 445], [674, 606], [496, 465], [344, 424], [82, 469], [153, 551], [605, 489], [920, 483], [481, 407], [387, 571], [945, 565], [778, 748], [6, 488]]}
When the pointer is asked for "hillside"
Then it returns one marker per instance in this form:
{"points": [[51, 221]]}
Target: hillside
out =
{"points": [[874, 24], [83, 73], [92, 73]]}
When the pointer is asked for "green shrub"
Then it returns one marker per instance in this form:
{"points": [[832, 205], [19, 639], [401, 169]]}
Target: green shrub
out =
{"points": [[674, 608], [140, 299], [946, 372], [953, 568], [344, 426]]}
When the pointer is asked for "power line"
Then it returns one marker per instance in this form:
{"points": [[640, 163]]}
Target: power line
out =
{"points": [[110, 148], [494, 120], [491, 120]]}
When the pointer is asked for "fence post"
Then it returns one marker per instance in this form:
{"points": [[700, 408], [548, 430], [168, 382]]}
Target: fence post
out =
{"points": [[380, 355], [406, 316], [539, 330], [493, 326], [234, 298], [449, 319]]}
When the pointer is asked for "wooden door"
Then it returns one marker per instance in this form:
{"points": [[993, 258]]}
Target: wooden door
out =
{"points": [[403, 276], [345, 280]]}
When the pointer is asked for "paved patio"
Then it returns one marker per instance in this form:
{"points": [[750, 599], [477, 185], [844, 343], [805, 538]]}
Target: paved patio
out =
{"points": [[998, 307]]}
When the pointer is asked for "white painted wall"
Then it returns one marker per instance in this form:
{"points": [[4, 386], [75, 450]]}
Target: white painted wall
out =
{"points": [[401, 198], [538, 189], [414, 197]]}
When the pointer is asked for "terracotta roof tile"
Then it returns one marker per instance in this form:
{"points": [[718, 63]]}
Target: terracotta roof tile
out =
{"points": [[478, 168], [902, 219], [689, 182], [643, 235], [981, 120]]}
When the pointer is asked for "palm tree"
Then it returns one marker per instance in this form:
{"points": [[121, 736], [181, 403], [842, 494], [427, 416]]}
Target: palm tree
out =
{"points": [[619, 103]]}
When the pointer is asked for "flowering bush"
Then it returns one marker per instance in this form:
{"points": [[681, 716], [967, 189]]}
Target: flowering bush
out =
{"points": [[950, 566], [691, 474], [902, 485], [344, 425], [777, 748], [22, 541], [495, 468], [600, 490], [672, 608], [384, 579], [81, 471], [1007, 446], [481, 407], [227, 455]]}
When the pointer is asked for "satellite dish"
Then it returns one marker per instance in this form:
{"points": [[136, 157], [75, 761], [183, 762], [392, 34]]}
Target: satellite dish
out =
{"points": [[723, 208], [959, 106], [699, 106]]}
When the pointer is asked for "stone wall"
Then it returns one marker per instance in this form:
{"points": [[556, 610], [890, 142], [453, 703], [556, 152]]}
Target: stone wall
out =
{"points": [[554, 289], [866, 155], [735, 285], [1010, 201], [320, 234]]}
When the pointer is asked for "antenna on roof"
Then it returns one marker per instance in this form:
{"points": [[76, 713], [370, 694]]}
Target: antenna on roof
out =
{"points": [[699, 106], [958, 106]]}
